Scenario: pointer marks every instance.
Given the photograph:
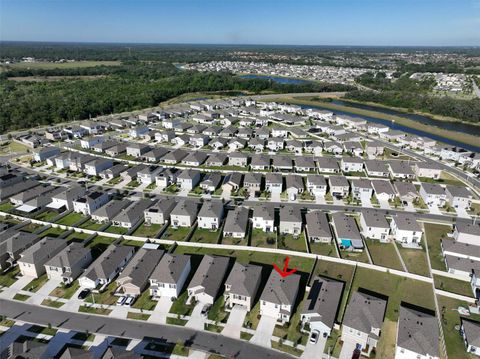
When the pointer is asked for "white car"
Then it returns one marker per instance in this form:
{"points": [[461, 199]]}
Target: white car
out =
{"points": [[129, 301], [314, 336], [121, 300]]}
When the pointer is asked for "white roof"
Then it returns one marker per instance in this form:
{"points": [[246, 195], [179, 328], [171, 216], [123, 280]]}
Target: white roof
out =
{"points": [[55, 205], [26, 208]]}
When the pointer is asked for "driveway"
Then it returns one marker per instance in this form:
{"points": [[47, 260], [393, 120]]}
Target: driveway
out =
{"points": [[264, 332], [313, 351], [320, 200], [9, 292], [197, 320], [44, 291], [276, 197], [409, 207], [348, 347], [366, 203], [434, 209], [235, 322], [161, 310], [384, 204], [461, 212], [119, 311]]}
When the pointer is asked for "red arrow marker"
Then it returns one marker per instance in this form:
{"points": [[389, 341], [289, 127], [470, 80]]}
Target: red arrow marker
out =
{"points": [[285, 272]]}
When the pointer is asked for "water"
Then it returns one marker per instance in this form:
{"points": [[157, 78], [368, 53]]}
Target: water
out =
{"points": [[396, 126], [447, 125], [280, 80]]}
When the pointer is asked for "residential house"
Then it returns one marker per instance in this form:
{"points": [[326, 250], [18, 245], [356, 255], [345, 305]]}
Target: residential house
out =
{"points": [[317, 185], [346, 231], [69, 263], [216, 160], [282, 163], [159, 213], [257, 144], [88, 142], [264, 217], [113, 172], [458, 196], [305, 164], [32, 260], [467, 232], [169, 276], [374, 225], [210, 215], [433, 194], [208, 280], [406, 229], [116, 150], [107, 212], [175, 156], [401, 169], [184, 214], [317, 227], [471, 335], [148, 175], [339, 186], [290, 220], [242, 285], [232, 182], [42, 153], [407, 192], [12, 244], [260, 162], [90, 202], [427, 170], [362, 189], [236, 223], [237, 159], [93, 168], [275, 144], [27, 195], [374, 149], [130, 216], [137, 149], [354, 148], [377, 168], [166, 178], [383, 190], [219, 143], [327, 165], [294, 186], [274, 183], [211, 182], [253, 182], [155, 154], [64, 200], [188, 179], [351, 164]]}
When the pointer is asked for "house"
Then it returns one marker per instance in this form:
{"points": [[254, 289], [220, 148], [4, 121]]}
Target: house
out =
{"points": [[113, 172], [196, 129], [405, 229], [305, 164], [236, 223], [166, 177], [90, 202], [351, 164], [216, 160], [208, 280], [64, 199], [164, 136], [290, 220], [198, 141], [32, 260], [12, 244], [29, 194], [279, 132], [346, 231], [321, 305], [237, 159], [374, 225], [253, 182], [24, 349], [228, 132], [282, 163], [264, 217], [147, 175], [317, 227], [210, 215], [159, 213], [433, 194], [155, 154], [219, 143], [427, 170], [466, 232], [232, 181], [294, 186], [260, 162], [106, 267], [376, 168], [339, 186], [107, 212], [184, 214], [211, 182], [383, 190], [212, 130], [41, 154], [407, 192], [116, 150], [180, 140], [354, 148], [327, 165], [137, 149], [279, 296], [195, 159], [69, 263], [362, 189], [9, 190], [417, 334], [363, 320], [274, 183], [295, 146], [242, 285], [471, 335], [78, 161], [257, 144], [458, 197], [188, 179], [401, 169], [138, 131], [275, 144], [317, 185], [175, 156], [245, 133], [169, 276], [93, 168], [130, 216], [374, 149], [88, 142], [133, 280]]}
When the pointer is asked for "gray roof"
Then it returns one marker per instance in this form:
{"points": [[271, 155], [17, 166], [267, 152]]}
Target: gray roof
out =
{"points": [[28, 349], [69, 256], [253, 178], [323, 299], [317, 180], [375, 219], [281, 290], [274, 178], [361, 183], [260, 160], [380, 186], [210, 274], [170, 268], [418, 332], [13, 241], [108, 262], [462, 264], [433, 188], [176, 155], [188, 174], [234, 178], [265, 211], [294, 181], [405, 188], [142, 264], [8, 191], [468, 227], [244, 279], [156, 153], [212, 179], [237, 220], [338, 181], [76, 353], [471, 330], [30, 193], [165, 206], [290, 214], [196, 156], [317, 224], [364, 312], [211, 209], [304, 162], [459, 191], [465, 249], [376, 166], [346, 226], [406, 221], [185, 208], [282, 161], [70, 193], [216, 158], [401, 167], [43, 250], [111, 209], [134, 212]]}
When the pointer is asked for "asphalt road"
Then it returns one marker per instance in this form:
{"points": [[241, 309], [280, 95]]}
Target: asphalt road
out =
{"points": [[201, 340]]}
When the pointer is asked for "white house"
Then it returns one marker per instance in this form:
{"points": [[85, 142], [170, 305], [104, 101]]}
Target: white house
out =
{"points": [[459, 197], [242, 285], [90, 202], [169, 276], [433, 194], [264, 217], [210, 215], [406, 229], [374, 225]]}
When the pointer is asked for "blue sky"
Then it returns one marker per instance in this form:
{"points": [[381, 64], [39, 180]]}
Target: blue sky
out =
{"points": [[302, 22]]}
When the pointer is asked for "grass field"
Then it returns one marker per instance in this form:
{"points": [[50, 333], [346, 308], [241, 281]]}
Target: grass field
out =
{"points": [[106, 297], [116, 230], [52, 303], [55, 65], [260, 238], [92, 225], [202, 235], [291, 331], [77, 237], [179, 306], [70, 219], [13, 147], [453, 285], [47, 216], [287, 241], [21, 297], [355, 256], [176, 234], [92, 310], [384, 254], [138, 316], [8, 278], [148, 231], [65, 292], [144, 301], [386, 344], [53, 232], [434, 233], [325, 249], [415, 260], [36, 283]]}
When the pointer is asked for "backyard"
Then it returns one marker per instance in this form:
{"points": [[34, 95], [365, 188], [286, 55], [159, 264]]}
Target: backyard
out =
{"points": [[71, 219], [148, 231], [202, 235], [384, 254], [434, 233], [415, 260], [324, 249], [260, 238], [289, 242], [176, 234]]}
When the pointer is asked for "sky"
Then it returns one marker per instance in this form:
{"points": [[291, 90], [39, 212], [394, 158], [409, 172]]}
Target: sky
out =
{"points": [[286, 22]]}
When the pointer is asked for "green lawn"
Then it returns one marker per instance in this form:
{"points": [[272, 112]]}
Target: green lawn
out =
{"points": [[176, 321], [396, 288], [176, 234], [52, 303], [355, 256], [415, 260], [384, 254], [30, 227], [132, 243], [21, 297], [77, 237], [133, 184], [117, 230], [434, 233], [217, 312], [179, 305], [8, 278], [287, 241], [286, 348], [92, 225], [148, 231], [324, 249], [42, 330], [144, 301], [65, 292], [138, 316], [60, 65], [253, 317], [231, 241], [36, 283], [292, 330], [92, 310], [106, 297], [47, 216], [453, 285], [53, 232], [202, 235], [263, 239], [115, 180], [71, 219]]}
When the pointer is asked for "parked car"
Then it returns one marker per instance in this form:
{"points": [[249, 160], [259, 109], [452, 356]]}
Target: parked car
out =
{"points": [[314, 336], [121, 300], [129, 301], [205, 309], [83, 294]]}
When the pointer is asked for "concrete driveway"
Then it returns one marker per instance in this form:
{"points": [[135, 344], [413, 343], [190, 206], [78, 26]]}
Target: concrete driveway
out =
{"points": [[161, 310], [264, 331], [235, 322], [314, 351], [197, 320], [434, 209], [366, 203], [44, 291], [384, 204], [461, 212], [9, 292], [347, 349]]}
